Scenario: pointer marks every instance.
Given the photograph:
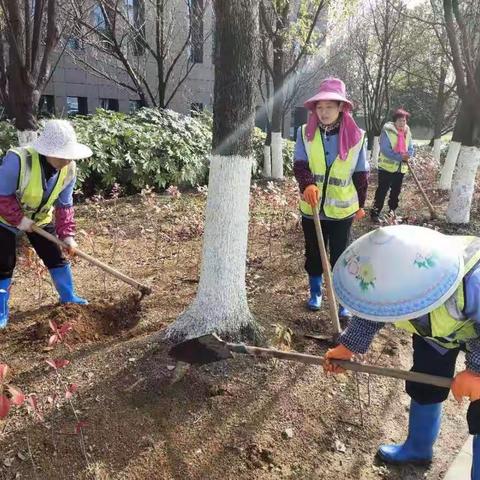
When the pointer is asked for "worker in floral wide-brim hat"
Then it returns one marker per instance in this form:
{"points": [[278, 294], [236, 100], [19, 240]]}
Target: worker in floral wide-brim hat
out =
{"points": [[428, 284], [36, 188]]}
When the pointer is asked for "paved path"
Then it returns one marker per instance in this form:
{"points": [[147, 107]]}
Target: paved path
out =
{"points": [[460, 468]]}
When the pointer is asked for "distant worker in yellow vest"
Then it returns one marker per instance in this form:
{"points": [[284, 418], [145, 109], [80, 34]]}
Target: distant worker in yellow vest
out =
{"points": [[428, 284], [36, 188], [331, 167], [396, 148]]}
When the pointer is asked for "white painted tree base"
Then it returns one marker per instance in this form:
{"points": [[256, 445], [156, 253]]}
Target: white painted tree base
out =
{"points": [[375, 152], [437, 148], [267, 161], [463, 185], [26, 137], [277, 156], [221, 302], [445, 182]]}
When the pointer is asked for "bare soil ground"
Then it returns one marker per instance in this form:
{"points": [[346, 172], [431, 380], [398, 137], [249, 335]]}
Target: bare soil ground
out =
{"points": [[137, 415]]}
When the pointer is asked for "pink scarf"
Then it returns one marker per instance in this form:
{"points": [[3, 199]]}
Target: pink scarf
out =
{"points": [[349, 134], [401, 146]]}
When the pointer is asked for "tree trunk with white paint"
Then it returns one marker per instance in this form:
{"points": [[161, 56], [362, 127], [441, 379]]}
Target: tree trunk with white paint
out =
{"points": [[221, 302], [463, 185], [267, 161], [437, 147], [462, 133], [375, 152], [277, 156], [445, 182], [26, 137]]}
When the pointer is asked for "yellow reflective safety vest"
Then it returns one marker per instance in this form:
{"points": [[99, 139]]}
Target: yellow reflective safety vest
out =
{"points": [[386, 163], [339, 197], [447, 324], [30, 193]]}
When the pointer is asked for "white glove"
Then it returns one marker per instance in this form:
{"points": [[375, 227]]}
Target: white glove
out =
{"points": [[26, 224], [70, 241]]}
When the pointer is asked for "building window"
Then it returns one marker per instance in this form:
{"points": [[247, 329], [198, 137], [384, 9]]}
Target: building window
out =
{"points": [[196, 108], [134, 105], [46, 106], [77, 106], [73, 43], [136, 19], [196, 26], [109, 104], [99, 21], [299, 117]]}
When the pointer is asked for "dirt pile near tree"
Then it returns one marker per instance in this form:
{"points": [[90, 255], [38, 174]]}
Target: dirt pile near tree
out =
{"points": [[90, 322]]}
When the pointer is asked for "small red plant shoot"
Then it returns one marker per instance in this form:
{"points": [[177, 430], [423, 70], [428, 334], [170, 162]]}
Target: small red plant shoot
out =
{"points": [[9, 395]]}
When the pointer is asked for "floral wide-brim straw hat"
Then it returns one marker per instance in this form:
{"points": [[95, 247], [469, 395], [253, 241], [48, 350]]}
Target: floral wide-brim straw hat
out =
{"points": [[398, 272]]}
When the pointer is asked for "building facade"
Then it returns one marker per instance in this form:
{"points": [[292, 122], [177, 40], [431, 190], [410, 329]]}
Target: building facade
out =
{"points": [[77, 88]]}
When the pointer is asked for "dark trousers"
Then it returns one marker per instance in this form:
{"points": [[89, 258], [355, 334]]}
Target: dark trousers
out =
{"points": [[426, 359], [336, 235], [387, 181], [50, 253]]}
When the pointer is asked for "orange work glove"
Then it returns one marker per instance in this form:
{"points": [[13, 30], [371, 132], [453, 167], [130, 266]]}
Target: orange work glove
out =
{"points": [[311, 195], [466, 384], [359, 214], [340, 352]]}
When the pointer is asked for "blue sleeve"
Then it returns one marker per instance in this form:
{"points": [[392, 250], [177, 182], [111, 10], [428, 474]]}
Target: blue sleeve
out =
{"points": [[472, 295], [65, 199], [387, 149], [411, 149], [472, 311], [9, 173], [300, 153], [362, 162]]}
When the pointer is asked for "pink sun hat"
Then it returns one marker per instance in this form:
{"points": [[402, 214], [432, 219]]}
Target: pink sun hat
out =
{"points": [[330, 89], [350, 134]]}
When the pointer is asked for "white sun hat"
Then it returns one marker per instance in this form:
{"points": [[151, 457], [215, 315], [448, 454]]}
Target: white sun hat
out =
{"points": [[399, 272], [59, 140]]}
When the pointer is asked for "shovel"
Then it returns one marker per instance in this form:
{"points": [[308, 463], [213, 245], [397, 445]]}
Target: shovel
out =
{"points": [[211, 348], [327, 272], [144, 289], [433, 213]]}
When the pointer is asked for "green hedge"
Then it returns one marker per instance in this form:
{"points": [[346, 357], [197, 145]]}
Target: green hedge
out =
{"points": [[151, 147]]}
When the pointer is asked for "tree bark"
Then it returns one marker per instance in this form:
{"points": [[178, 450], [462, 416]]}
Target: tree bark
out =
{"points": [[221, 302]]}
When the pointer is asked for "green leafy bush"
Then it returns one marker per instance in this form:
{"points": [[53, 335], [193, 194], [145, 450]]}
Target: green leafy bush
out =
{"points": [[151, 147], [8, 137]]}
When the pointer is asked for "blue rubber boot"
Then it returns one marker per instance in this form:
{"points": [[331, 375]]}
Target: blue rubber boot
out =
{"points": [[315, 301], [343, 312], [63, 281], [476, 458], [4, 296], [423, 429]]}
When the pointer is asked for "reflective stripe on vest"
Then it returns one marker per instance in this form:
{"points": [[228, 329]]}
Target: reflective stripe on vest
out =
{"points": [[30, 191], [447, 324], [339, 195], [388, 164]]}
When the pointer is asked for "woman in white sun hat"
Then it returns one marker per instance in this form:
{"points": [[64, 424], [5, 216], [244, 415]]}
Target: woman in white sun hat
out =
{"points": [[427, 283], [36, 188]]}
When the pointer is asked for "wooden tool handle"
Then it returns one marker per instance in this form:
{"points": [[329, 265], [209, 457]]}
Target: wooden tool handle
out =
{"points": [[327, 272], [433, 213], [346, 364], [93, 261]]}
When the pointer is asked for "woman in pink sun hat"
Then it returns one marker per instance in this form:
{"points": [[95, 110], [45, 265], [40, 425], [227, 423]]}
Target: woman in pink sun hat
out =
{"points": [[331, 167]]}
